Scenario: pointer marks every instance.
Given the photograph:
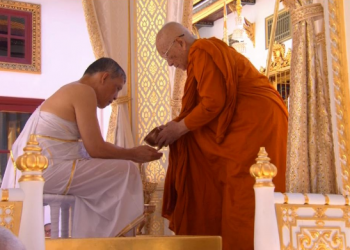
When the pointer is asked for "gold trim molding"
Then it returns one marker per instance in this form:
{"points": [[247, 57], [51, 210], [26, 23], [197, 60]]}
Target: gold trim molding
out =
{"points": [[35, 65], [209, 10], [341, 86]]}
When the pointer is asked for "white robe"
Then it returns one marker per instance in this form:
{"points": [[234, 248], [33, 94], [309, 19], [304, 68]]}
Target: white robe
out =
{"points": [[108, 192]]}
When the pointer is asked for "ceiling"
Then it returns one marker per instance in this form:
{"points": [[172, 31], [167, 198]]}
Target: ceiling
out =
{"points": [[206, 12]]}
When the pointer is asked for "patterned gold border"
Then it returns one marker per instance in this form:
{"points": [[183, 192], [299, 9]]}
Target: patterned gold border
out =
{"points": [[287, 217], [209, 10], [341, 85], [35, 9], [16, 213], [93, 28]]}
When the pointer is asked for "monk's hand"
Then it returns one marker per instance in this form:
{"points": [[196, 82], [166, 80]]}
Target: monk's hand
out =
{"points": [[170, 133], [145, 154]]}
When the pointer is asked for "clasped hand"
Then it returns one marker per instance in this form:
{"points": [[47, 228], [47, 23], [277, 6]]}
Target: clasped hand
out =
{"points": [[169, 133]]}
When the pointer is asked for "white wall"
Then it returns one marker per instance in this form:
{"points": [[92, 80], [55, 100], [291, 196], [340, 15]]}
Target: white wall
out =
{"points": [[66, 53], [254, 13]]}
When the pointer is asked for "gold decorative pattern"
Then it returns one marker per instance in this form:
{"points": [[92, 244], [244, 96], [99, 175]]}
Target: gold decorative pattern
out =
{"points": [[310, 154], [263, 169], [10, 215], [306, 199], [4, 194], [113, 123], [341, 86], [280, 60], [320, 238], [326, 199], [153, 90], [93, 28], [321, 229], [32, 160], [35, 10], [306, 12]]}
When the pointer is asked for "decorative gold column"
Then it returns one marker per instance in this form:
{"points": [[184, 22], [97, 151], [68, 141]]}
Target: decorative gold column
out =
{"points": [[152, 92], [340, 82]]}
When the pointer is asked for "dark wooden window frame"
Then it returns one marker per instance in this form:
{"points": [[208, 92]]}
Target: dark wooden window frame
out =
{"points": [[32, 63], [27, 16], [21, 105]]}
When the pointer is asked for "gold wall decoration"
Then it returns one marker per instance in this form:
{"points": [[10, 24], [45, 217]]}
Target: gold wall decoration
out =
{"points": [[280, 59], [152, 94], [153, 90], [313, 226], [35, 11], [10, 215], [250, 30], [340, 79]]}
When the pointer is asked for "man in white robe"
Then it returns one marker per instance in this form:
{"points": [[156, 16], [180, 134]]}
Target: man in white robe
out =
{"points": [[102, 176]]}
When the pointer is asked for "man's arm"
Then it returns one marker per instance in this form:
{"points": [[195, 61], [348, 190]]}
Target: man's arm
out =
{"points": [[85, 105]]}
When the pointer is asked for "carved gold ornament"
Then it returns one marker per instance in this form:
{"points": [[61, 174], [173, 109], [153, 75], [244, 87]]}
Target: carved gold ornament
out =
{"points": [[32, 160], [250, 30], [341, 86], [263, 169]]}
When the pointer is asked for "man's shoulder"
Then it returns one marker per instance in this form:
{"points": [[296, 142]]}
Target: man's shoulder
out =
{"points": [[77, 90]]}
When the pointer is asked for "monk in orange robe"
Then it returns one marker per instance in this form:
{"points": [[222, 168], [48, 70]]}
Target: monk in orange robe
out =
{"points": [[229, 110]]}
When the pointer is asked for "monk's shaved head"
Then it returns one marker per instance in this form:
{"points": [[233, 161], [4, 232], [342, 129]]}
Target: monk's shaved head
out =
{"points": [[176, 37], [169, 32]]}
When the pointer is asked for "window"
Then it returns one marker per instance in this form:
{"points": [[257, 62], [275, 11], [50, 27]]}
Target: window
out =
{"points": [[283, 29], [20, 37], [14, 113]]}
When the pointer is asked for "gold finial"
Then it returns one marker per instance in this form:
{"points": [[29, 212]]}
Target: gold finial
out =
{"points": [[263, 169], [32, 159], [239, 8]]}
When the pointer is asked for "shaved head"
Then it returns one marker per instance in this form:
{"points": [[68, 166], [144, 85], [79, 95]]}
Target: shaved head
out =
{"points": [[170, 31], [175, 35]]}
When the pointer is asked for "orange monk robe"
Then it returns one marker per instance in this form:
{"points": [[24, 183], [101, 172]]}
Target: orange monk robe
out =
{"points": [[231, 110]]}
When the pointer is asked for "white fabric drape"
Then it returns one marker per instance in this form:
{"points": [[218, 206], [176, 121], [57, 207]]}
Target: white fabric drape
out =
{"points": [[107, 22]]}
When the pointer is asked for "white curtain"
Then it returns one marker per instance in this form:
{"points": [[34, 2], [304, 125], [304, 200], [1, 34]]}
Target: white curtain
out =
{"points": [[109, 30]]}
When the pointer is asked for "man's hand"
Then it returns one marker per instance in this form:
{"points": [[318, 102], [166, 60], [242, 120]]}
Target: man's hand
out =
{"points": [[170, 133], [145, 153]]}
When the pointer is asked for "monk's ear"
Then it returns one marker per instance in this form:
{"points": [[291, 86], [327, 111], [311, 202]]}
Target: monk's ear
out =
{"points": [[182, 43]]}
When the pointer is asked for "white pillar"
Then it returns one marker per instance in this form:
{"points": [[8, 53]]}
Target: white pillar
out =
{"points": [[32, 163], [265, 226]]}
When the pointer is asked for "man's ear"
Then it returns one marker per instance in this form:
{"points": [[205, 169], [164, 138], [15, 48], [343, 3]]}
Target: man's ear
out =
{"points": [[104, 76]]}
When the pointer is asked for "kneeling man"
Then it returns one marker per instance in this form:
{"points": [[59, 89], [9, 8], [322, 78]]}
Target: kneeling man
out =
{"points": [[102, 176]]}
